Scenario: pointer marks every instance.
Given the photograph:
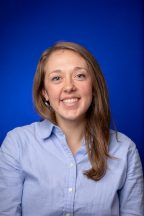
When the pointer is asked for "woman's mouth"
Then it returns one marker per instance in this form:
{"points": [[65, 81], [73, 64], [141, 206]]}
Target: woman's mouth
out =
{"points": [[70, 101]]}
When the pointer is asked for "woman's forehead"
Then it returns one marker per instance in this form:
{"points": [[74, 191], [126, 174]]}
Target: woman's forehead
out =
{"points": [[65, 58]]}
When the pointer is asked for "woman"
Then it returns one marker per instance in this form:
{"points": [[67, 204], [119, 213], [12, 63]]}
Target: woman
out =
{"points": [[70, 163]]}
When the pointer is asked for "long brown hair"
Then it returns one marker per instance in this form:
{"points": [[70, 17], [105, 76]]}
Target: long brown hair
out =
{"points": [[98, 115]]}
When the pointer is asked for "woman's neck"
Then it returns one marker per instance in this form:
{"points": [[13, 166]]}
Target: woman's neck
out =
{"points": [[74, 132]]}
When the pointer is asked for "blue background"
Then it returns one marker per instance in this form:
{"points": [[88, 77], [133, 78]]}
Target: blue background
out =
{"points": [[111, 30]]}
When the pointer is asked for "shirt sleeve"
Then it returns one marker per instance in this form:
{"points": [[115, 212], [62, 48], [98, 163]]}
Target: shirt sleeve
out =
{"points": [[132, 192], [11, 178]]}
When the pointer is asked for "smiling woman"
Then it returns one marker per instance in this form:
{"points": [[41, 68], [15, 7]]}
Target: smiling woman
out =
{"points": [[67, 86], [70, 163]]}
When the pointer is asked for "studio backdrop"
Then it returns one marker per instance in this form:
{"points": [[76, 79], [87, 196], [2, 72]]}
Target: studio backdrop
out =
{"points": [[111, 30]]}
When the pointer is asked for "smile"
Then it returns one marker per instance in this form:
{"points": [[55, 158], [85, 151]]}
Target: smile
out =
{"points": [[70, 100]]}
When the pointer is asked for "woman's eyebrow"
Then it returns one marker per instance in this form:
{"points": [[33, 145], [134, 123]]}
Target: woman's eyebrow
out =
{"points": [[75, 69], [80, 68], [55, 71]]}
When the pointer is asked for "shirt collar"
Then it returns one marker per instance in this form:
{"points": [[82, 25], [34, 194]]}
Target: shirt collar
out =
{"points": [[45, 128]]}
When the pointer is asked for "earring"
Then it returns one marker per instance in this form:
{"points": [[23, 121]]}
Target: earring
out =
{"points": [[47, 104]]}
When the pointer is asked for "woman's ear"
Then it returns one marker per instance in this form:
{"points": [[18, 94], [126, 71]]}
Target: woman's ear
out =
{"points": [[45, 94]]}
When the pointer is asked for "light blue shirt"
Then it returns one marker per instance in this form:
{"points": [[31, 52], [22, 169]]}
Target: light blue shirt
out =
{"points": [[39, 176]]}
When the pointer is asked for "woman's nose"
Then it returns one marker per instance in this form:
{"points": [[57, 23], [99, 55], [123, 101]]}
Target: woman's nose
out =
{"points": [[69, 85]]}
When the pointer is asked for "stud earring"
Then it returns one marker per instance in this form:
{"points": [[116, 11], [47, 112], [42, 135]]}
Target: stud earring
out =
{"points": [[47, 104]]}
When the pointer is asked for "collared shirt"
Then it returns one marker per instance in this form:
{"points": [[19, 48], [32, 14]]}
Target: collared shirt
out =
{"points": [[39, 176]]}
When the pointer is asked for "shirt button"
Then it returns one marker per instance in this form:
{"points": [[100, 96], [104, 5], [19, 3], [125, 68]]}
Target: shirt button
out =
{"points": [[70, 189], [67, 214], [71, 164]]}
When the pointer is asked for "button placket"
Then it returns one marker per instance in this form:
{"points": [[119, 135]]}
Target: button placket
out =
{"points": [[71, 187]]}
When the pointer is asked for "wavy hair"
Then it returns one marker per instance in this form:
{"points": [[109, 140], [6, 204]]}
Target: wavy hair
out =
{"points": [[97, 133]]}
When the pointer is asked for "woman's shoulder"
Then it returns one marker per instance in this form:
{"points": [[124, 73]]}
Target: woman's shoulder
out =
{"points": [[23, 130], [29, 131], [124, 154], [120, 144], [25, 136]]}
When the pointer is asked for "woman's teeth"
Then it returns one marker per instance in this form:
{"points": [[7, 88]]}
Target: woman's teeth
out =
{"points": [[71, 100]]}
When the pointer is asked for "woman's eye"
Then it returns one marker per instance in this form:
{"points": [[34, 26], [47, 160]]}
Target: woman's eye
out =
{"points": [[56, 78], [81, 76]]}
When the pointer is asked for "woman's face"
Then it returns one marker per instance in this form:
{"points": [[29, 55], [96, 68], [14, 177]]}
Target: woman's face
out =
{"points": [[67, 85]]}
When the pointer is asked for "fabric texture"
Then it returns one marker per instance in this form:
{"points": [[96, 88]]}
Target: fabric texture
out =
{"points": [[39, 176]]}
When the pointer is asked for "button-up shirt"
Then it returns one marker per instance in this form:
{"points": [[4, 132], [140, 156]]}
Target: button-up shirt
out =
{"points": [[39, 176]]}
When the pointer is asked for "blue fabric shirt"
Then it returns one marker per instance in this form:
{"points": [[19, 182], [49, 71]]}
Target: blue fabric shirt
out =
{"points": [[39, 176]]}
